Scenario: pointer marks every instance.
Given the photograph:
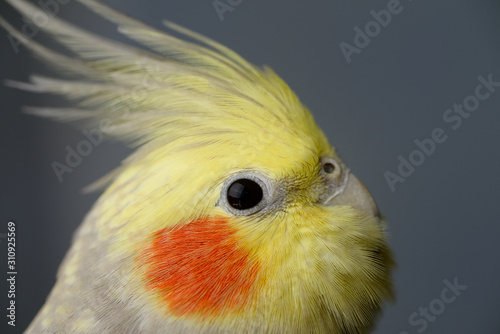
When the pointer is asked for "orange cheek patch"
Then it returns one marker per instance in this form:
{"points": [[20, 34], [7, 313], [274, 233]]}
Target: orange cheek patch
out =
{"points": [[200, 268]]}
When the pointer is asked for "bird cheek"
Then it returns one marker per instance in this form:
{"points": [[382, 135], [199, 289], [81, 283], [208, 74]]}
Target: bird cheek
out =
{"points": [[199, 268]]}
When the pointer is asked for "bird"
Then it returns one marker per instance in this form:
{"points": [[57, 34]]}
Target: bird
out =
{"points": [[232, 214]]}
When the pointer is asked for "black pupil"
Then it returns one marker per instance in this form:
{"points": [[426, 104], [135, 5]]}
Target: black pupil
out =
{"points": [[244, 194]]}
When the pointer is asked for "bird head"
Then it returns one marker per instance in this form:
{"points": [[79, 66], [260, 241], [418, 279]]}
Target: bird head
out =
{"points": [[248, 221], [234, 213]]}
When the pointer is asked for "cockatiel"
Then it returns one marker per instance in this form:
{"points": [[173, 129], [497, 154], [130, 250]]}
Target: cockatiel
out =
{"points": [[233, 215]]}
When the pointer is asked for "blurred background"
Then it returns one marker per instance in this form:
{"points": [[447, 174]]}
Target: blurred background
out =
{"points": [[375, 87]]}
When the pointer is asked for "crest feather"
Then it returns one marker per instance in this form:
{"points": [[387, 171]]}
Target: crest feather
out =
{"points": [[170, 80], [170, 94]]}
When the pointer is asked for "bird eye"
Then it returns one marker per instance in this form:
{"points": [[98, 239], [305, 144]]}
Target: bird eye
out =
{"points": [[244, 194]]}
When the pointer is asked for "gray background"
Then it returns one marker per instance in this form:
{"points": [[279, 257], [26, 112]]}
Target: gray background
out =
{"points": [[444, 220]]}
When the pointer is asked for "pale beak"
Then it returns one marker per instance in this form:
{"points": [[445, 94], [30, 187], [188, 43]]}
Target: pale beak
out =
{"points": [[356, 195]]}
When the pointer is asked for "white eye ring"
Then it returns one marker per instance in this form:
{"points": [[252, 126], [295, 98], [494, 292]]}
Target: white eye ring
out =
{"points": [[247, 186]]}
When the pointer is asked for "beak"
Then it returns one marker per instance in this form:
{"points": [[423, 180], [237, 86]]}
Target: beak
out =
{"points": [[357, 196]]}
